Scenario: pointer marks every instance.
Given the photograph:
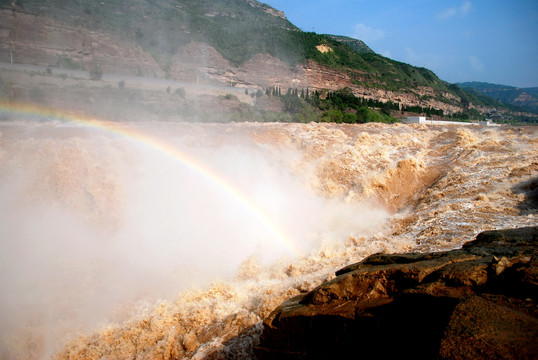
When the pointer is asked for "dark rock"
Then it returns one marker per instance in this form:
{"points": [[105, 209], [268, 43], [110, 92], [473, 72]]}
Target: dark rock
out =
{"points": [[478, 302]]}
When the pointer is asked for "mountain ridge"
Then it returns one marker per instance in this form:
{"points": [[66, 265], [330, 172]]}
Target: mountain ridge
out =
{"points": [[524, 98]]}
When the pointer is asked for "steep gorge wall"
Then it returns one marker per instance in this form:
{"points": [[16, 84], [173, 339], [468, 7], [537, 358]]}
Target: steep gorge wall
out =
{"points": [[321, 77], [201, 63], [39, 40], [31, 39]]}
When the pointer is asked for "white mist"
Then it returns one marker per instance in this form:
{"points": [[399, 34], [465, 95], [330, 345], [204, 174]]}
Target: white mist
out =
{"points": [[94, 223]]}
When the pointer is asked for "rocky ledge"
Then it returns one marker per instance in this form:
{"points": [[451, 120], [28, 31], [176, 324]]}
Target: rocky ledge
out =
{"points": [[478, 302]]}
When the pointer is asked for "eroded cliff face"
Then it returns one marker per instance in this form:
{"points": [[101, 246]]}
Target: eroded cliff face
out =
{"points": [[320, 77], [201, 63], [40, 40], [268, 9]]}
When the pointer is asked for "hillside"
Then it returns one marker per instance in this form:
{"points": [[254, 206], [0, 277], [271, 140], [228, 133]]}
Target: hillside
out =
{"points": [[523, 98], [235, 43], [357, 45]]}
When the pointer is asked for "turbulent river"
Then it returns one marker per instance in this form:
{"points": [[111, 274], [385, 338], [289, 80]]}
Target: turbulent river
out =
{"points": [[167, 240]]}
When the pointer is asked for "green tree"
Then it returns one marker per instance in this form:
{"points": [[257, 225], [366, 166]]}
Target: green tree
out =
{"points": [[362, 114], [374, 117]]}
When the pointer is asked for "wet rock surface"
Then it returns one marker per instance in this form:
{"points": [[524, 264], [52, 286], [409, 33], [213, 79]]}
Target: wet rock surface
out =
{"points": [[476, 302]]}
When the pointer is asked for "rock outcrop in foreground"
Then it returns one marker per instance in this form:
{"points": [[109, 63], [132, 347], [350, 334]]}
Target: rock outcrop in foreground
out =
{"points": [[478, 302]]}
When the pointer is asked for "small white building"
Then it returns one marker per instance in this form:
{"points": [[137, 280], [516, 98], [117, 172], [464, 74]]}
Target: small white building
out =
{"points": [[415, 120], [488, 122], [423, 120]]}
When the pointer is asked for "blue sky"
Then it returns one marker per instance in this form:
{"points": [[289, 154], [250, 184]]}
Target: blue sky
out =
{"points": [[494, 41]]}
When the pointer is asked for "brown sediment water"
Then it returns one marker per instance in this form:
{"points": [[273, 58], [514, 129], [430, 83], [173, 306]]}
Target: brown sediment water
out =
{"points": [[114, 246]]}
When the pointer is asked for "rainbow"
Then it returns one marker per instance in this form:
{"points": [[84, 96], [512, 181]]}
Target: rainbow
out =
{"points": [[194, 165]]}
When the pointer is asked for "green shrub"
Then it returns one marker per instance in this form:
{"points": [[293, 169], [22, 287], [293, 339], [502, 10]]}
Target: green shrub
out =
{"points": [[180, 92], [230, 97], [349, 118]]}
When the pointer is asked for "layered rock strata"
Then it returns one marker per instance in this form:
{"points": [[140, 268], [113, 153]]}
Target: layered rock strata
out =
{"points": [[40, 40], [476, 302]]}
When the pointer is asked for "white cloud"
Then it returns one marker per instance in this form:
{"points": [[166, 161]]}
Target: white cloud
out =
{"points": [[462, 10], [476, 64], [448, 13], [366, 33], [465, 8]]}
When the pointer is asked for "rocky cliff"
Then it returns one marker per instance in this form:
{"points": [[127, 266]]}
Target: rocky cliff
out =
{"points": [[478, 302], [90, 36], [41, 40]]}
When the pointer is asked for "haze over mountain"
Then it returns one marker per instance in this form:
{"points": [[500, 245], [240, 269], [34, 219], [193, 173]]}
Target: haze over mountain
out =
{"points": [[239, 43]]}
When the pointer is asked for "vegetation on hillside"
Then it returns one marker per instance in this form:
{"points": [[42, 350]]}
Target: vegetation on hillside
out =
{"points": [[340, 106]]}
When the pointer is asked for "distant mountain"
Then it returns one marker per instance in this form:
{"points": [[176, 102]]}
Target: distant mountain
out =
{"points": [[524, 98]]}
